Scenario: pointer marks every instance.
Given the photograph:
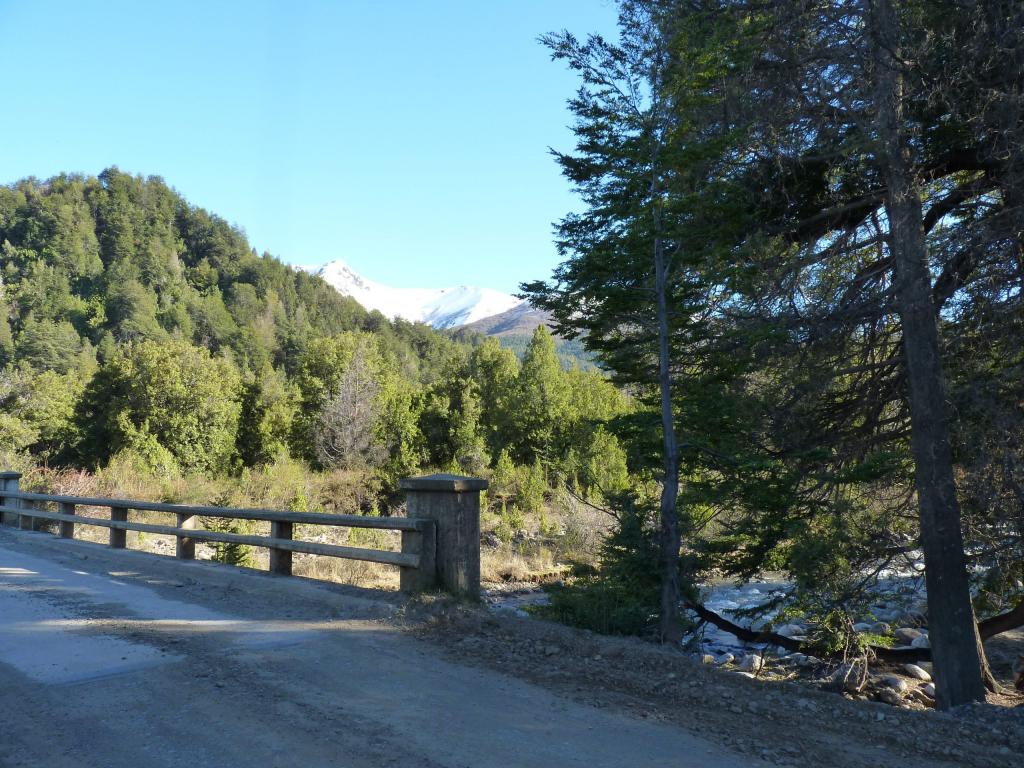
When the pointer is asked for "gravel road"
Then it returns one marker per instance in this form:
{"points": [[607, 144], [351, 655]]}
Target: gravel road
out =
{"points": [[113, 659]]}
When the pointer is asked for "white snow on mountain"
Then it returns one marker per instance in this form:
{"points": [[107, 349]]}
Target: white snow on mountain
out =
{"points": [[439, 307]]}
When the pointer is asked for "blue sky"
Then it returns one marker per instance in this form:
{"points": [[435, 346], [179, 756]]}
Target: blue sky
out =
{"points": [[408, 138]]}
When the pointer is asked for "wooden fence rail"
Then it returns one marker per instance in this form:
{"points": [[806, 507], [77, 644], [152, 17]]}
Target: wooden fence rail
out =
{"points": [[439, 547]]}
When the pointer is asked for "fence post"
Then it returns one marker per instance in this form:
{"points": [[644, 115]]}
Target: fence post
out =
{"points": [[453, 503], [118, 536], [9, 481], [67, 529], [280, 559], [184, 546]]}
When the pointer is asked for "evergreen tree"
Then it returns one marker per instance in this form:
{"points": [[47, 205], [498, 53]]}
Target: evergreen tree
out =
{"points": [[495, 369], [541, 401], [470, 449], [635, 278]]}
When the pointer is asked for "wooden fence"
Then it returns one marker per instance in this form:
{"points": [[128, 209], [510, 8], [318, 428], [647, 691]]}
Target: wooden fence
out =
{"points": [[440, 545]]}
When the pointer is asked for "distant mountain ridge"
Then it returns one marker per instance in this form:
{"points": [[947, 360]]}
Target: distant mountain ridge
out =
{"points": [[438, 307], [521, 320], [464, 310]]}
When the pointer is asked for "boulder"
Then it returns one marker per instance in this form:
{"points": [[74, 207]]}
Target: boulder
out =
{"points": [[726, 658], [861, 627], [921, 642], [929, 690], [921, 697], [906, 635], [790, 630], [889, 696], [894, 682], [915, 671], [847, 677], [752, 663]]}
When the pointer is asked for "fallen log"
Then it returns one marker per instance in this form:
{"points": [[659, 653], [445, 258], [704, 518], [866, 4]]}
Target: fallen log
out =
{"points": [[1004, 622], [987, 629], [798, 646]]}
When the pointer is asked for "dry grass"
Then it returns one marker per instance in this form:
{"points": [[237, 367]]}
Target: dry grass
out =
{"points": [[518, 549], [354, 572], [569, 533], [509, 562]]}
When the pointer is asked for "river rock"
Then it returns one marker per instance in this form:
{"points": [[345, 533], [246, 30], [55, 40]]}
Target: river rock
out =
{"points": [[847, 677], [886, 614], [921, 642], [790, 630], [707, 658], [894, 682], [752, 663], [880, 628], [726, 658], [906, 635], [929, 690], [889, 696], [915, 671], [921, 697], [861, 627]]}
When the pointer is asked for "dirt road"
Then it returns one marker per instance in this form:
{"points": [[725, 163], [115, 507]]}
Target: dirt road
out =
{"points": [[112, 659], [118, 658]]}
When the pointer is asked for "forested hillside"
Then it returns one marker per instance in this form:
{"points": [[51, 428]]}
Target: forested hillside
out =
{"points": [[136, 327], [514, 329]]}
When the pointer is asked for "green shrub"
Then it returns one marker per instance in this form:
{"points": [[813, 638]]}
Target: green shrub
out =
{"points": [[600, 605], [512, 516], [623, 597], [230, 553]]}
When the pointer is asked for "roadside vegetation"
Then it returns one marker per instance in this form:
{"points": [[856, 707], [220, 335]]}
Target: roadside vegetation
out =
{"points": [[800, 248], [798, 266]]}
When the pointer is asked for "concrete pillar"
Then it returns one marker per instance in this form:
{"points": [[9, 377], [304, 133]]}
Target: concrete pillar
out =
{"points": [[453, 503], [9, 481], [423, 543]]}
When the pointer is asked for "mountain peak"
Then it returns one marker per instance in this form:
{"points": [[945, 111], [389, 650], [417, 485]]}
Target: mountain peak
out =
{"points": [[439, 307]]}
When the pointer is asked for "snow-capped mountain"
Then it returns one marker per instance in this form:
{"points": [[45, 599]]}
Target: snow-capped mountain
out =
{"points": [[439, 307]]}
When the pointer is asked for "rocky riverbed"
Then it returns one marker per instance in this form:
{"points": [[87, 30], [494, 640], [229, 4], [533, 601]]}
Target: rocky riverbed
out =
{"points": [[898, 612]]}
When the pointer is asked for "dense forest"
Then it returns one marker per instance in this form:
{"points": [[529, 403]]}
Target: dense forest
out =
{"points": [[138, 330]]}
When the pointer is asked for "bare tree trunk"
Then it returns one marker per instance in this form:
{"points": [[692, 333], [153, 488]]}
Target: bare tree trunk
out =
{"points": [[669, 627], [953, 632]]}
